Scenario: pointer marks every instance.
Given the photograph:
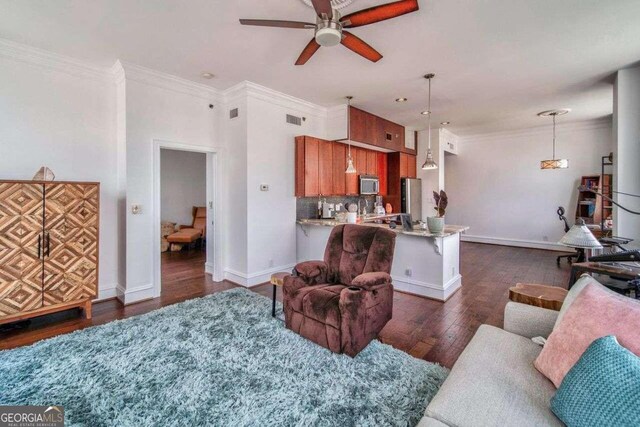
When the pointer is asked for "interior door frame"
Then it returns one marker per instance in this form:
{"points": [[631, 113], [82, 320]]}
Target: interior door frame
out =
{"points": [[214, 261]]}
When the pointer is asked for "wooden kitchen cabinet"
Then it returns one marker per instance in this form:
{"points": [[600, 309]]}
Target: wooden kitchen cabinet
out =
{"points": [[404, 165], [339, 168], [325, 167], [382, 172], [411, 166], [320, 167], [390, 135], [372, 162], [307, 167], [361, 161]]}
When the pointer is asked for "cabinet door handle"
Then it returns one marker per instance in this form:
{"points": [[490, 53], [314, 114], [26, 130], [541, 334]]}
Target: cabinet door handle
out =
{"points": [[39, 245], [48, 239]]}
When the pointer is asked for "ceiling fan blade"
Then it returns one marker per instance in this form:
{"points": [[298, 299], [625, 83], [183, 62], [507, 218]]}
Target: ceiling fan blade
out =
{"points": [[360, 47], [308, 52], [379, 13], [277, 23], [323, 7]]}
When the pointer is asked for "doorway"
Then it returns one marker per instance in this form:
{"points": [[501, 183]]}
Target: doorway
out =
{"points": [[183, 217], [186, 235]]}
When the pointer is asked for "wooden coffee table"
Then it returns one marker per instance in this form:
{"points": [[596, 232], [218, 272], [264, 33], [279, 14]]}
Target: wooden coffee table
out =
{"points": [[545, 296], [277, 279]]}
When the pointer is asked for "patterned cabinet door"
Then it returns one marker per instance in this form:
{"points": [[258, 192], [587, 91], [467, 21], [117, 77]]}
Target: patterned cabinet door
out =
{"points": [[21, 209], [71, 242]]}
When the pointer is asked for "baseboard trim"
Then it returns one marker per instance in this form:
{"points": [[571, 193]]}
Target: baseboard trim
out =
{"points": [[135, 294], [520, 243], [254, 279], [107, 293], [208, 268], [429, 290]]}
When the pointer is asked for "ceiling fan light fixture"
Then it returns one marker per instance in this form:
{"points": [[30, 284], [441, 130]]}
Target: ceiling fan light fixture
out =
{"points": [[328, 37]]}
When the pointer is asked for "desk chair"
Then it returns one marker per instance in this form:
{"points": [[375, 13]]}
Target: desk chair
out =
{"points": [[579, 253]]}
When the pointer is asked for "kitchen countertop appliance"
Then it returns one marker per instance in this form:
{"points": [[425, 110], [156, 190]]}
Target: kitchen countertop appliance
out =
{"points": [[369, 184]]}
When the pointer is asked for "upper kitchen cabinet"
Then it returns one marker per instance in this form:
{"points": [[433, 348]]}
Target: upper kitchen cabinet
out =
{"points": [[367, 128], [314, 167], [339, 168], [389, 135]]}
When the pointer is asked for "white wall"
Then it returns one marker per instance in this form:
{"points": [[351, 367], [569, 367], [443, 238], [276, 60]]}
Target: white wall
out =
{"points": [[626, 149], [64, 118], [183, 184], [495, 184], [158, 109], [270, 160]]}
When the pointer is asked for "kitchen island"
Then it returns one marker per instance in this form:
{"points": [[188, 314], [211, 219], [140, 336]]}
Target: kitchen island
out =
{"points": [[424, 263]]}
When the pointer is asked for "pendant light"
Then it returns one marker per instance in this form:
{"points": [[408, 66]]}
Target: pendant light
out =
{"points": [[429, 163], [350, 167], [554, 163]]}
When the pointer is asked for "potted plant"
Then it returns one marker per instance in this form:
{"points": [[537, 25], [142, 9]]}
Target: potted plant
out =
{"points": [[436, 223]]}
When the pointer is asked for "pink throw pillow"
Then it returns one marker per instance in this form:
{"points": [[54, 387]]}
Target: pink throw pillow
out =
{"points": [[595, 313]]}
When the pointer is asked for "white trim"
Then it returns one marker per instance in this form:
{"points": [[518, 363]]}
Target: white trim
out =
{"points": [[135, 294], [429, 290], [253, 279], [214, 261], [520, 243], [51, 61], [106, 293], [167, 81], [601, 123], [272, 96]]}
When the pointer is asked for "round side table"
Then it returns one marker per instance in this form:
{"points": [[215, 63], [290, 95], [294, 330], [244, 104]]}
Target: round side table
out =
{"points": [[277, 279], [550, 297]]}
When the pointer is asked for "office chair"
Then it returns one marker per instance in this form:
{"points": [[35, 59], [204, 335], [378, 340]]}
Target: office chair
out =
{"points": [[579, 253]]}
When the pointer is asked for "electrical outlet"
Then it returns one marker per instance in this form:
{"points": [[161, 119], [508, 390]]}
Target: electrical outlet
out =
{"points": [[408, 272], [270, 263]]}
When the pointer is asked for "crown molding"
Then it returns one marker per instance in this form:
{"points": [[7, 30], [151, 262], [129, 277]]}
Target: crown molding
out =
{"points": [[128, 71], [51, 61], [254, 90], [600, 123]]}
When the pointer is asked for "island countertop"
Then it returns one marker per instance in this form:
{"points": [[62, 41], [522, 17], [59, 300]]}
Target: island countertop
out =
{"points": [[449, 230]]}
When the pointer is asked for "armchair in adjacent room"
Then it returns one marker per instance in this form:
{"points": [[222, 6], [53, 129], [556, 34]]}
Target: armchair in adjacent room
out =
{"points": [[343, 302]]}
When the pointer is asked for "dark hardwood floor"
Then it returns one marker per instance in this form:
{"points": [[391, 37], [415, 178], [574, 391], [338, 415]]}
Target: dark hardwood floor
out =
{"points": [[424, 328]]}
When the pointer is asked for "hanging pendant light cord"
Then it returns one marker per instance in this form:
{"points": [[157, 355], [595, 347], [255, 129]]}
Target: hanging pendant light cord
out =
{"points": [[554, 137], [429, 113], [349, 123]]}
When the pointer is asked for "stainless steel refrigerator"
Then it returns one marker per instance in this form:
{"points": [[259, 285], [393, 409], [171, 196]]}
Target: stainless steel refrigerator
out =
{"points": [[411, 198]]}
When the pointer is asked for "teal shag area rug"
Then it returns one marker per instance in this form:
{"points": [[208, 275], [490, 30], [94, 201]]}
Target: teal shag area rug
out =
{"points": [[221, 360]]}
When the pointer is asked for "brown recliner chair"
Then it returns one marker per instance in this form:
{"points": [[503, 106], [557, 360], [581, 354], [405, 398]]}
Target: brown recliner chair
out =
{"points": [[343, 302]]}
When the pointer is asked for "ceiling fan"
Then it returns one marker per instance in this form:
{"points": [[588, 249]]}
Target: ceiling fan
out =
{"points": [[329, 26]]}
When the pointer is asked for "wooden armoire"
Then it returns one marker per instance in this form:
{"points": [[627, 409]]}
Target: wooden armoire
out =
{"points": [[48, 247]]}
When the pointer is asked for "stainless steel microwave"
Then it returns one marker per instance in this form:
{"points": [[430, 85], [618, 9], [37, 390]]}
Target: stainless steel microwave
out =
{"points": [[369, 184]]}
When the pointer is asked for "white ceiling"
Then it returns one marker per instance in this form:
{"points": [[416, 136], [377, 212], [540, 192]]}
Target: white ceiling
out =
{"points": [[498, 62]]}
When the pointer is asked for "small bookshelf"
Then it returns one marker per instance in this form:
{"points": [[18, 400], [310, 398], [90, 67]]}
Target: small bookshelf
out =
{"points": [[590, 207]]}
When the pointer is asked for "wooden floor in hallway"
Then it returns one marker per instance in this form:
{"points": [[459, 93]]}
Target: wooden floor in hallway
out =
{"points": [[427, 329]]}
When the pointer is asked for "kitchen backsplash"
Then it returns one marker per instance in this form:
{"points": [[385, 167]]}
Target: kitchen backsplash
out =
{"points": [[307, 207]]}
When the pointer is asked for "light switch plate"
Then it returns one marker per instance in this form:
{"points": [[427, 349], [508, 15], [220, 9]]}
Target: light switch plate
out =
{"points": [[136, 209]]}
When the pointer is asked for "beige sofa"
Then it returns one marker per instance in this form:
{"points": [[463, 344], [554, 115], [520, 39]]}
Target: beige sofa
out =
{"points": [[494, 382]]}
